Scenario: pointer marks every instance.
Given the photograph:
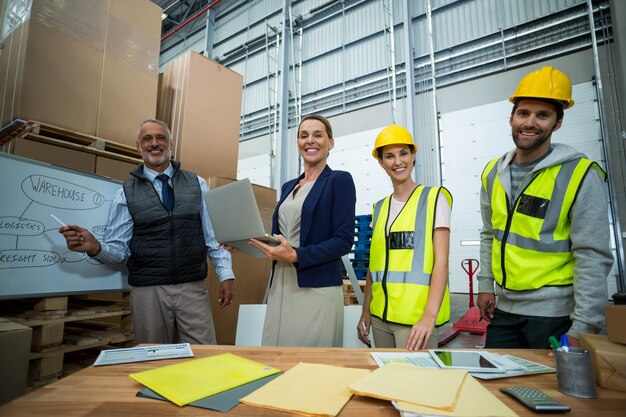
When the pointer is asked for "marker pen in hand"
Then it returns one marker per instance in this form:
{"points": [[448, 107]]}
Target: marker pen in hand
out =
{"points": [[369, 344], [58, 220]]}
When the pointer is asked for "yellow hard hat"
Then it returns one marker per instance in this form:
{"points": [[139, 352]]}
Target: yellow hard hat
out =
{"points": [[548, 83], [393, 135]]}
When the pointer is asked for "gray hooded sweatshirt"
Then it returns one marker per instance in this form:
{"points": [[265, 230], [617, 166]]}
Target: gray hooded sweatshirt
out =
{"points": [[583, 301]]}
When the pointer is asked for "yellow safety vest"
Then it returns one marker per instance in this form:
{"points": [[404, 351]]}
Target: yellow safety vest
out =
{"points": [[400, 279], [531, 240]]}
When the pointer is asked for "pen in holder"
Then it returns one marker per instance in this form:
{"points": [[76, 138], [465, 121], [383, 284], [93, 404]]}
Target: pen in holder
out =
{"points": [[574, 373]]}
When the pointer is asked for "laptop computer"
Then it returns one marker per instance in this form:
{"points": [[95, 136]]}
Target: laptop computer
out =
{"points": [[236, 218]]}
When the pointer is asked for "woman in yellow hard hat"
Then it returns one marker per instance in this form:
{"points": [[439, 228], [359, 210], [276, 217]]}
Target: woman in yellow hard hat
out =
{"points": [[406, 292]]}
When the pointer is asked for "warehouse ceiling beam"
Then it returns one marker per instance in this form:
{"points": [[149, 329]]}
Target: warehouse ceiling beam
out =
{"points": [[191, 19]]}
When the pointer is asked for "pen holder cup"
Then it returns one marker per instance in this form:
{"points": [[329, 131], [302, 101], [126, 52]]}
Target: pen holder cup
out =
{"points": [[574, 373]]}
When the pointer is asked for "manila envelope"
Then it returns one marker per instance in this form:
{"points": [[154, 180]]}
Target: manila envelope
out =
{"points": [[609, 360]]}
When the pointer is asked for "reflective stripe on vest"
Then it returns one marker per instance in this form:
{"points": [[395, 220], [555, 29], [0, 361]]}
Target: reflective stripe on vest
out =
{"points": [[532, 246], [400, 280]]}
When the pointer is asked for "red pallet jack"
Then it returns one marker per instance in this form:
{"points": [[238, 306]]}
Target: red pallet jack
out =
{"points": [[470, 321]]}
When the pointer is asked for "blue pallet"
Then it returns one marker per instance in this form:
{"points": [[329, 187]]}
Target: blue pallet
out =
{"points": [[363, 235], [356, 264], [361, 255], [360, 252], [363, 218], [361, 246], [360, 273]]}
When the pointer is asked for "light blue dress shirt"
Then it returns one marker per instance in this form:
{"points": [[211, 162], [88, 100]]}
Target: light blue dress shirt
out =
{"points": [[119, 230]]}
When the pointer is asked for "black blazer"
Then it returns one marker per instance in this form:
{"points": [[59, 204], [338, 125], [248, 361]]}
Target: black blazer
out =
{"points": [[326, 227]]}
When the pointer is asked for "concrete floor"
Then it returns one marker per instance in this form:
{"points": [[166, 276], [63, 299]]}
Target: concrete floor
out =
{"points": [[459, 304]]}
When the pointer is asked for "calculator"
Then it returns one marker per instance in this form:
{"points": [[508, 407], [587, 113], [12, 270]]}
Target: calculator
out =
{"points": [[535, 399]]}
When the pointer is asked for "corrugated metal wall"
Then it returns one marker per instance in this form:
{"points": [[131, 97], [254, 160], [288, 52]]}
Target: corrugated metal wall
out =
{"points": [[343, 53]]}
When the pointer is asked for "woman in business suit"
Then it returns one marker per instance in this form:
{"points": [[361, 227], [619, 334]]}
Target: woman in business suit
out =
{"points": [[314, 221]]}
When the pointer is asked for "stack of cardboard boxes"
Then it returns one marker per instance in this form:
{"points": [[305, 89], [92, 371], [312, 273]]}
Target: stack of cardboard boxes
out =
{"points": [[88, 66], [201, 102], [609, 351]]}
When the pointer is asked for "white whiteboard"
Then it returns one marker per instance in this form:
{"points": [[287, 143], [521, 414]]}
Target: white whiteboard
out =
{"points": [[34, 260]]}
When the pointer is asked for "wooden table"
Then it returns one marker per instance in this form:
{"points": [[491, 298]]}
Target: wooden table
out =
{"points": [[106, 391]]}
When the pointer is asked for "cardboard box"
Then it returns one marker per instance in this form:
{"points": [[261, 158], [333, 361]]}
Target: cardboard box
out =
{"points": [[114, 168], [57, 155], [251, 278], [201, 102], [88, 66], [616, 322], [609, 361], [15, 342], [60, 48], [251, 274], [130, 69]]}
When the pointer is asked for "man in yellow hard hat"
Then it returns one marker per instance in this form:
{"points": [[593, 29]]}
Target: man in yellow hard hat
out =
{"points": [[545, 250]]}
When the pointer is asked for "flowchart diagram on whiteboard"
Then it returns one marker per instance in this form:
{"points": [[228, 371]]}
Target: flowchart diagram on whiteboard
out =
{"points": [[34, 260]]}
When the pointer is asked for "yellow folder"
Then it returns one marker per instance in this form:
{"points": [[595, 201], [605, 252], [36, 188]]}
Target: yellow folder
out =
{"points": [[474, 401], [186, 382], [428, 387], [308, 389]]}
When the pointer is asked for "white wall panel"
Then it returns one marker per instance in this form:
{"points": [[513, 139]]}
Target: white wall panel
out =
{"points": [[261, 9], [322, 72], [256, 97], [519, 11], [232, 23], [257, 168], [321, 38], [257, 67], [365, 57], [352, 153], [364, 20], [247, 13]]}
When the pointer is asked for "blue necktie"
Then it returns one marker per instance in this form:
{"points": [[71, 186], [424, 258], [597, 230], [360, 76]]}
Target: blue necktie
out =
{"points": [[166, 192]]}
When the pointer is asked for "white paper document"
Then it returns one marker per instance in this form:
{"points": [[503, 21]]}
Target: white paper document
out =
{"points": [[412, 358], [512, 365], [142, 354]]}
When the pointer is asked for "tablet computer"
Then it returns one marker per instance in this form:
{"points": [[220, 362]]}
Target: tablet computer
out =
{"points": [[470, 360]]}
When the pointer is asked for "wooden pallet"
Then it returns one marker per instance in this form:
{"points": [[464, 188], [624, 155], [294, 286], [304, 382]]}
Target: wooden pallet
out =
{"points": [[56, 135], [18, 128], [349, 297], [64, 324]]}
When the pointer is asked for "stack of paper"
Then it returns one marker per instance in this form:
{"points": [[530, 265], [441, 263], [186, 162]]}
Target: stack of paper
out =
{"points": [[432, 392], [190, 381], [223, 401], [428, 387], [308, 389], [474, 401]]}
